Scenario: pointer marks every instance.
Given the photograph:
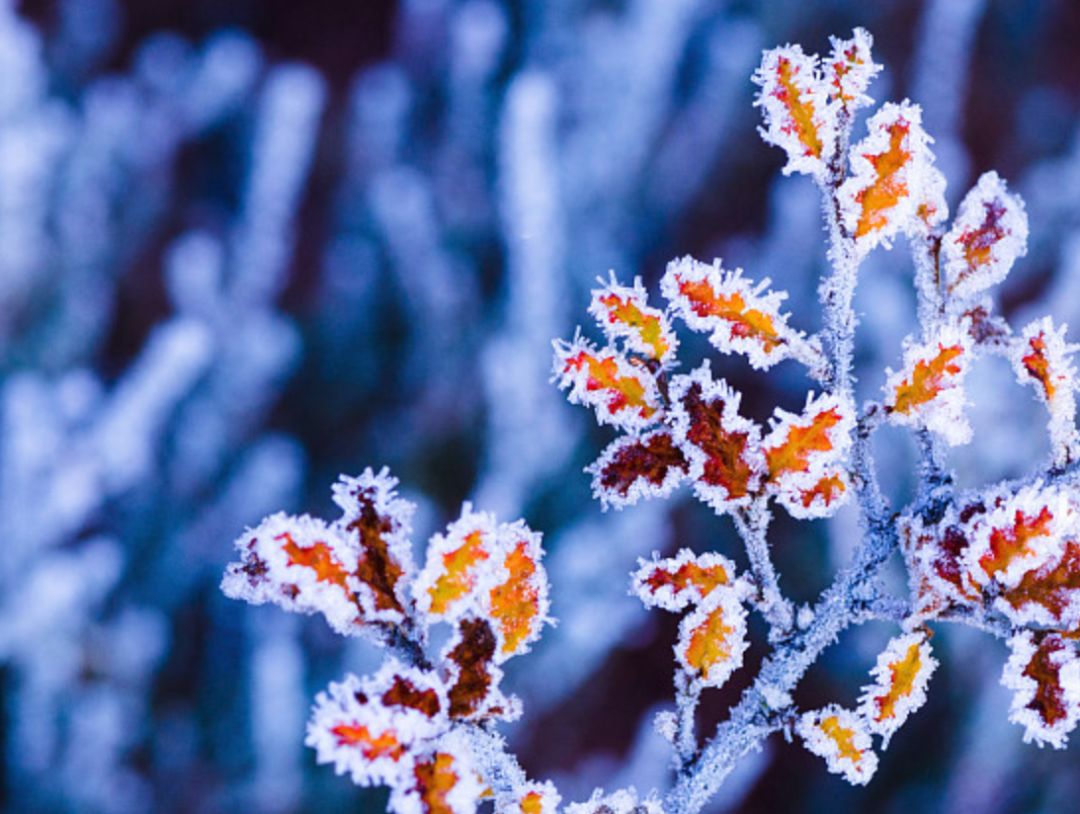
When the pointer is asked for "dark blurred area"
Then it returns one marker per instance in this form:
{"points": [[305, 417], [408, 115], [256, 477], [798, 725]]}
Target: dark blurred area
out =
{"points": [[246, 246]]}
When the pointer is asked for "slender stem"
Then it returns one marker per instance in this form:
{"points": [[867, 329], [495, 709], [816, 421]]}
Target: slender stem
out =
{"points": [[764, 706], [499, 768], [837, 290], [752, 523], [925, 254], [687, 695]]}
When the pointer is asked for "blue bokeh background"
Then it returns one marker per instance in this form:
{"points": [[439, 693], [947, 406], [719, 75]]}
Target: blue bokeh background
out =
{"points": [[246, 246]]}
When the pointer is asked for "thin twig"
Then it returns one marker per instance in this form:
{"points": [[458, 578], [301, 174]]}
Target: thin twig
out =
{"points": [[687, 696], [764, 706], [752, 524]]}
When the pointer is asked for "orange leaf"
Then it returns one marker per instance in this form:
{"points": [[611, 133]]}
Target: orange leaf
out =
{"points": [[902, 673], [829, 489], [798, 117], [373, 747], [1055, 588], [800, 109], [990, 231], [843, 737], [840, 736], [879, 199], [686, 578], [1015, 540], [927, 380], [739, 316], [316, 556], [436, 778], [1037, 365], [689, 574], [623, 393], [746, 322], [457, 577], [805, 437], [516, 604], [712, 638], [623, 312]]}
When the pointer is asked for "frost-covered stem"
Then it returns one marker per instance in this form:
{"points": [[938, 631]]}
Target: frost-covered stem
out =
{"points": [[400, 640], [837, 290], [925, 254], [850, 599], [687, 696], [809, 353], [499, 769], [930, 309], [763, 706], [752, 523], [887, 608], [980, 620], [932, 472]]}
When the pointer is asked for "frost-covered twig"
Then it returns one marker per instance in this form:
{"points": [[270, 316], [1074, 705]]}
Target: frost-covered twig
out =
{"points": [[752, 523]]}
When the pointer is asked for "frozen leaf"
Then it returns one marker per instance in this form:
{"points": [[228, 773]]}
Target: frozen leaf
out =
{"points": [[928, 392], [889, 171], [723, 447], [687, 578], [797, 442], [931, 208], [536, 798], [353, 571], [850, 70], [632, 468], [1044, 674], [990, 232], [798, 119], [623, 393], [842, 738], [623, 313], [1021, 533], [461, 565], [804, 453], [1048, 595], [470, 657], [518, 605], [378, 520], [479, 568], [739, 316], [936, 557], [442, 780], [822, 499], [301, 565], [1041, 358], [370, 727], [901, 675], [712, 638]]}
